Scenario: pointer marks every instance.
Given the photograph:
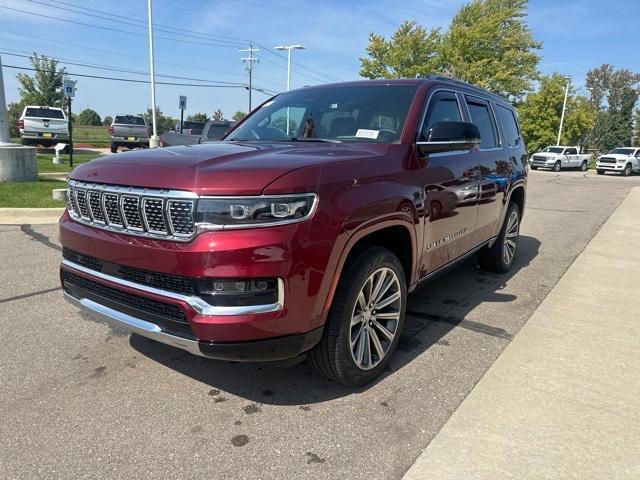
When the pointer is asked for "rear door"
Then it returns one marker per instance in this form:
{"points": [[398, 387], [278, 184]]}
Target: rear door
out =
{"points": [[450, 182], [496, 168], [572, 156]]}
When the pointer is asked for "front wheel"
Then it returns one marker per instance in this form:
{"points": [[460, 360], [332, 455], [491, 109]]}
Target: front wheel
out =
{"points": [[627, 170], [533, 168], [114, 148], [499, 257], [365, 320], [557, 166], [600, 172]]}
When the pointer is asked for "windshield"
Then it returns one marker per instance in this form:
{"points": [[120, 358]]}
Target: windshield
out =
{"points": [[44, 113], [189, 125], [343, 114], [553, 149], [623, 151], [129, 120]]}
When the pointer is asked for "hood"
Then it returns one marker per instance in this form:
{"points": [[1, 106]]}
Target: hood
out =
{"points": [[221, 168], [617, 156]]}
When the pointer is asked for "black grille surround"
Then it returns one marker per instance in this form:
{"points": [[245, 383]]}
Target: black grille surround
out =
{"points": [[607, 160], [169, 317], [159, 214]]}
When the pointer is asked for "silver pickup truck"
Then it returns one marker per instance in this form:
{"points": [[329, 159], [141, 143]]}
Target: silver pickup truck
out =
{"points": [[129, 131], [212, 132]]}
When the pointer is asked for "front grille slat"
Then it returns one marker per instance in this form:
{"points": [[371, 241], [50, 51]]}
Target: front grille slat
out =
{"points": [[162, 214]]}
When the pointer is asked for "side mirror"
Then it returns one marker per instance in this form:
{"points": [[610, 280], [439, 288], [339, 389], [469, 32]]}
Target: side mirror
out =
{"points": [[450, 136]]}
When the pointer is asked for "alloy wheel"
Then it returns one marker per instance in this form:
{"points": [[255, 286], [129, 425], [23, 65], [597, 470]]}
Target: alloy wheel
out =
{"points": [[511, 237], [375, 318]]}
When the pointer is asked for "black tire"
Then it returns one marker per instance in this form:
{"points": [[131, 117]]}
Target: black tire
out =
{"points": [[494, 259], [114, 148], [533, 168], [332, 357], [584, 166], [600, 172], [557, 166], [628, 170]]}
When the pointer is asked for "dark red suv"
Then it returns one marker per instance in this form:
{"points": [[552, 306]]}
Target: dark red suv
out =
{"points": [[305, 229]]}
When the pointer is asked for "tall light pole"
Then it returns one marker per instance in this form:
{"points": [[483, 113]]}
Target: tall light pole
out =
{"points": [[154, 141], [4, 125], [288, 48], [564, 108]]}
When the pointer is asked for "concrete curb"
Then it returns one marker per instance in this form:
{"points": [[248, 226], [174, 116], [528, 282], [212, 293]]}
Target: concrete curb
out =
{"points": [[562, 400], [33, 216]]}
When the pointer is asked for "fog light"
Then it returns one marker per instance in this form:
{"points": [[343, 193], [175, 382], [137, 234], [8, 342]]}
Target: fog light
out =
{"points": [[239, 292]]}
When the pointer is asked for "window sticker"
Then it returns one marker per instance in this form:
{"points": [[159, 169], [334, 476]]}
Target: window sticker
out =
{"points": [[364, 133]]}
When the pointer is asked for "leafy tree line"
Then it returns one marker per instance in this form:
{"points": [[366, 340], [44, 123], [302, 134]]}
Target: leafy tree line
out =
{"points": [[489, 44]]}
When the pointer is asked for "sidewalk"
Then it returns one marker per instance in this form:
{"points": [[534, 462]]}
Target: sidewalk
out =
{"points": [[31, 216], [563, 399]]}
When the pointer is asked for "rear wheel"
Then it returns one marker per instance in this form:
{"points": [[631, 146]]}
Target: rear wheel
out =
{"points": [[365, 321], [627, 170], [600, 172], [583, 167], [557, 166], [114, 148], [499, 257]]}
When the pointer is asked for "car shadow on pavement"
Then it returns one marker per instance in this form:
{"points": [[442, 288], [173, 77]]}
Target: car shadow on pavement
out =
{"points": [[434, 309]]}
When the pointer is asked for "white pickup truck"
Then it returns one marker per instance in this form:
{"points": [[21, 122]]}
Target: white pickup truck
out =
{"points": [[558, 157], [624, 160], [44, 126]]}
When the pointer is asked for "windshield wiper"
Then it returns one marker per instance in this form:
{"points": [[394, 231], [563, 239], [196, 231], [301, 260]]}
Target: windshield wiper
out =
{"points": [[322, 140]]}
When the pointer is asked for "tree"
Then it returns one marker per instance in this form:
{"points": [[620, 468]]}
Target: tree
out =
{"points": [[89, 117], [540, 115], [614, 94], [489, 44], [45, 86], [412, 51], [108, 120], [218, 116], [14, 110], [636, 129], [163, 123], [198, 117], [239, 115]]}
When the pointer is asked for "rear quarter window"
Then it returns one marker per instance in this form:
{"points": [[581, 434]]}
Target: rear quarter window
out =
{"points": [[509, 125], [481, 116], [44, 113]]}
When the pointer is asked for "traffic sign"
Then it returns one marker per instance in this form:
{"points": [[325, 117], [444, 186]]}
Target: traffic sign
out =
{"points": [[69, 88], [183, 102]]}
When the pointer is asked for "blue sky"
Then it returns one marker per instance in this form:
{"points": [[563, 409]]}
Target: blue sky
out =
{"points": [[576, 35]]}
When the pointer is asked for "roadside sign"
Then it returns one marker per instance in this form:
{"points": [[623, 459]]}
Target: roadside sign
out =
{"points": [[69, 88], [183, 102]]}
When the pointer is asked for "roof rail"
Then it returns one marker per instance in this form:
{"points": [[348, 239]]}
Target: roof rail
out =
{"points": [[462, 83]]}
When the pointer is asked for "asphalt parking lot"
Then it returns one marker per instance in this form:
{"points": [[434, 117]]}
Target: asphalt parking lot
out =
{"points": [[80, 400]]}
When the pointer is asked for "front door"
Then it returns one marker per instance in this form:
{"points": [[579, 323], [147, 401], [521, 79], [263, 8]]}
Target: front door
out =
{"points": [[450, 188]]}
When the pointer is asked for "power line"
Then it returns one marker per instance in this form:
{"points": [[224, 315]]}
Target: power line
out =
{"points": [[134, 80], [249, 61]]}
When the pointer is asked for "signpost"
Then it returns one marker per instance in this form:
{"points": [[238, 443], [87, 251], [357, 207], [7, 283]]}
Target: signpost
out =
{"points": [[182, 106], [69, 88]]}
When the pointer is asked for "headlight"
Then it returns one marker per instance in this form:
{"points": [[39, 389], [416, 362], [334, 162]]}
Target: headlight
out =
{"points": [[218, 213], [621, 160]]}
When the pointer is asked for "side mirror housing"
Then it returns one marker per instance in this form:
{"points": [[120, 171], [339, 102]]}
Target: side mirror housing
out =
{"points": [[450, 136]]}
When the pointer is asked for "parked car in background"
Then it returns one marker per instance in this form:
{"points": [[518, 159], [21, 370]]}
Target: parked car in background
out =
{"points": [[129, 131], [44, 126], [559, 157], [211, 132], [280, 242], [624, 160], [190, 127]]}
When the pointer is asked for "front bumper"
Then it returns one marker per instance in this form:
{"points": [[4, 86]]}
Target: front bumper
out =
{"points": [[273, 349], [610, 166]]}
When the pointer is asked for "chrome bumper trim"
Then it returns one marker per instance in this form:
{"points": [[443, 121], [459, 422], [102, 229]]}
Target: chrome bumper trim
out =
{"points": [[135, 325], [198, 304]]}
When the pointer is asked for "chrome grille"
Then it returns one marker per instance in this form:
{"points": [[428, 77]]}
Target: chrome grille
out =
{"points": [[164, 214], [607, 160]]}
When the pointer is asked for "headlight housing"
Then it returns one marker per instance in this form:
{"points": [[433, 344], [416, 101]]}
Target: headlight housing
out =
{"points": [[221, 213]]}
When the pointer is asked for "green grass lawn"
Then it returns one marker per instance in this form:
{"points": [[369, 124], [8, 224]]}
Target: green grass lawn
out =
{"points": [[45, 161], [92, 135], [30, 194]]}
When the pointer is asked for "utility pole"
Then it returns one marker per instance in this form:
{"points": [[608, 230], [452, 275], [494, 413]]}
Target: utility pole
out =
{"points": [[153, 141], [564, 107], [4, 125], [249, 61]]}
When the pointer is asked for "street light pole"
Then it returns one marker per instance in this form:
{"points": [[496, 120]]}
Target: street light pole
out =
{"points": [[154, 142], [288, 48], [564, 108]]}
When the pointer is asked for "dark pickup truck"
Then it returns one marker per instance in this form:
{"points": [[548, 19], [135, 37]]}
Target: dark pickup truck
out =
{"points": [[212, 132], [303, 231]]}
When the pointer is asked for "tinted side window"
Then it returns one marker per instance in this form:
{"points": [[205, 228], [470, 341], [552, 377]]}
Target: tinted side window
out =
{"points": [[509, 125], [571, 151], [482, 118], [443, 107]]}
